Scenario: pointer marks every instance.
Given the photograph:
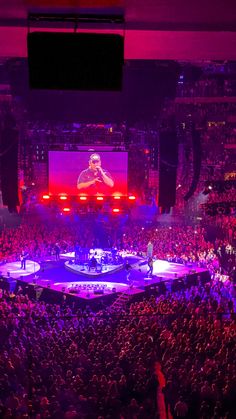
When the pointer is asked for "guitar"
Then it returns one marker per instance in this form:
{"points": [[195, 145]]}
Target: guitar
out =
{"points": [[24, 257]]}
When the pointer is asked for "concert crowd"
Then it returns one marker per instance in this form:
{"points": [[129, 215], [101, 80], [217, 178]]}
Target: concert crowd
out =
{"points": [[61, 361]]}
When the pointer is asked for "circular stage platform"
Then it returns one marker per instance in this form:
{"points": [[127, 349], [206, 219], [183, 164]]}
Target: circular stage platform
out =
{"points": [[13, 269]]}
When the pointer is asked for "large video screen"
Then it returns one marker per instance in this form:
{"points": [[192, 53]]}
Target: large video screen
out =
{"points": [[88, 173]]}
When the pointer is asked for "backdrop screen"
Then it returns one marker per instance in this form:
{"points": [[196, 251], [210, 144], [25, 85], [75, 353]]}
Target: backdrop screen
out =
{"points": [[88, 173]]}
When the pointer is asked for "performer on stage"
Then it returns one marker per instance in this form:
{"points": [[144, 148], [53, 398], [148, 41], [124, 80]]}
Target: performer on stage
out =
{"points": [[57, 251], [150, 265], [149, 249], [77, 253], [23, 257], [93, 263], [127, 268]]}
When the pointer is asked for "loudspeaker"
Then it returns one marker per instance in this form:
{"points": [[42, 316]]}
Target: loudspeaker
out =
{"points": [[75, 61], [168, 168], [97, 292], [9, 162]]}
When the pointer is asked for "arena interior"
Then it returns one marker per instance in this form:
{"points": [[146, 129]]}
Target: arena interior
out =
{"points": [[117, 209]]}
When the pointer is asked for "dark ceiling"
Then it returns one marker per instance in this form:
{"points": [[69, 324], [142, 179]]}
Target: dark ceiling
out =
{"points": [[136, 12], [164, 29]]}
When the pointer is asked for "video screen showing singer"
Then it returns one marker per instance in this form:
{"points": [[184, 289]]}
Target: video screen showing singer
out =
{"points": [[95, 179]]}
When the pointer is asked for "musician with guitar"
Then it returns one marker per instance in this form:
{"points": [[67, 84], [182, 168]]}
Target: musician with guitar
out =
{"points": [[23, 257]]}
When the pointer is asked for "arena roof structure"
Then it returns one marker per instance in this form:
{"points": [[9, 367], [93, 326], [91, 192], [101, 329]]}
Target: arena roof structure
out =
{"points": [[153, 30]]}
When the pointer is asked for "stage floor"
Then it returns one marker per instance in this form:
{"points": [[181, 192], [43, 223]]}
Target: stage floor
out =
{"points": [[13, 269], [53, 274], [92, 273]]}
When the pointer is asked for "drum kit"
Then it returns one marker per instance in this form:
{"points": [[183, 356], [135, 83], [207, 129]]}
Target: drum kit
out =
{"points": [[105, 257], [97, 258], [97, 254]]}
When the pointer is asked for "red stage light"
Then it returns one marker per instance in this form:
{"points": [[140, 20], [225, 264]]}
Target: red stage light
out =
{"points": [[63, 198], [132, 198], [46, 196], [83, 198], [116, 197], [66, 209], [116, 210], [99, 198]]}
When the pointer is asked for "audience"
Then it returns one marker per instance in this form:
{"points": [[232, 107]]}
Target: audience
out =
{"points": [[60, 361]]}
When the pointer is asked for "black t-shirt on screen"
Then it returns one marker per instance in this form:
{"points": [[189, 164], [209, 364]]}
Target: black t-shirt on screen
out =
{"points": [[98, 187]]}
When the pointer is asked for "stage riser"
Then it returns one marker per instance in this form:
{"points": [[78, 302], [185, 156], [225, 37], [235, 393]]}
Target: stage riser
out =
{"points": [[52, 296]]}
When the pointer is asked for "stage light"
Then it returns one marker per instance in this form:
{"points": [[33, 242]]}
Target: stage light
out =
{"points": [[132, 198], [46, 197], [66, 209], [63, 198], [83, 198], [116, 210], [116, 197], [99, 198]]}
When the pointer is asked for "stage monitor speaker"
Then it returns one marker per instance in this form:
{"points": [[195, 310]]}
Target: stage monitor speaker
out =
{"points": [[75, 61], [98, 292]]}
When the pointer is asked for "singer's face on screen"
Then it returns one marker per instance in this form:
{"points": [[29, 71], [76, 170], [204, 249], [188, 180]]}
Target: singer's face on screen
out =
{"points": [[94, 163]]}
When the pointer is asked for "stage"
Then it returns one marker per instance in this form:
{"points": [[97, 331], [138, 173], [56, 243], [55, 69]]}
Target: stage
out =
{"points": [[84, 269], [13, 269], [67, 278]]}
